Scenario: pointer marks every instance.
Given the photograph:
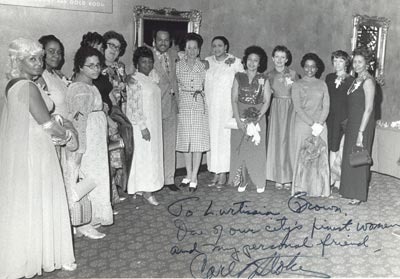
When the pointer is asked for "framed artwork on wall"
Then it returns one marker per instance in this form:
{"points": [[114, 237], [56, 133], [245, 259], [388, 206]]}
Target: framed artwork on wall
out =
{"points": [[178, 23], [371, 32]]}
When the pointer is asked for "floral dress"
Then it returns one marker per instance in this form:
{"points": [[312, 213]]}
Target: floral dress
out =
{"points": [[113, 77], [247, 158]]}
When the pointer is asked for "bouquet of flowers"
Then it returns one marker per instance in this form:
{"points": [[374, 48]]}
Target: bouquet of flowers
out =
{"points": [[251, 116]]}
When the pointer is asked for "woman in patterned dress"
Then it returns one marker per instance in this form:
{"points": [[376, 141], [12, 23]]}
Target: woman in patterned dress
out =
{"points": [[192, 133], [338, 84], [250, 101], [218, 86], [144, 112], [360, 128], [85, 110], [111, 85], [281, 78], [311, 105]]}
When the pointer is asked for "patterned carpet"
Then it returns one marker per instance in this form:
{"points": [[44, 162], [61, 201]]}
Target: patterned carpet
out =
{"points": [[223, 233]]}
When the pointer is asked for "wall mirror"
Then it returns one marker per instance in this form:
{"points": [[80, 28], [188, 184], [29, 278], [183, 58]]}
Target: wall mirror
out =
{"points": [[371, 32], [179, 23]]}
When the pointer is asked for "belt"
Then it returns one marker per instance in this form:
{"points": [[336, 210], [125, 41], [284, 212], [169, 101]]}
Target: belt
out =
{"points": [[197, 93], [282, 97]]}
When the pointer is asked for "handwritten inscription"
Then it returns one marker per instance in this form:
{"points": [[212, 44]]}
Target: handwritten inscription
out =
{"points": [[268, 243]]}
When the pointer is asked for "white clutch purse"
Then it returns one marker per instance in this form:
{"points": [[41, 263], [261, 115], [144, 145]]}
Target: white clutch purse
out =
{"points": [[231, 124], [82, 188]]}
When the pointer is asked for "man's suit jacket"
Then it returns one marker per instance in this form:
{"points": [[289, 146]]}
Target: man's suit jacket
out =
{"points": [[167, 82]]}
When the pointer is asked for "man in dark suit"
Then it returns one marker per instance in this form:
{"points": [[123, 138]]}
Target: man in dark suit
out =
{"points": [[164, 63]]}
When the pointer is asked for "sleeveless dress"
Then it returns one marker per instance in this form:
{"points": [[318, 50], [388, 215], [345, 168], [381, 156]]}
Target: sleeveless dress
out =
{"points": [[279, 153], [143, 110], [247, 159], [57, 90], [355, 180], [85, 105], [218, 86], [35, 230]]}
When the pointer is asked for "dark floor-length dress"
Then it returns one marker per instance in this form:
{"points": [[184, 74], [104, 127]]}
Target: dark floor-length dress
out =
{"points": [[337, 109], [246, 157], [354, 180], [125, 129]]}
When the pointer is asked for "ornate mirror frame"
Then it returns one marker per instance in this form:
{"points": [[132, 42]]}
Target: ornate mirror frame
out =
{"points": [[142, 13], [371, 32]]}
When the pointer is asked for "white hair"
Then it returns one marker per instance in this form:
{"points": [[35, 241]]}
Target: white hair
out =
{"points": [[18, 50]]}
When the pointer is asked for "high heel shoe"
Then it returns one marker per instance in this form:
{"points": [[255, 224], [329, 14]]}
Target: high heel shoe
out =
{"points": [[355, 202], [185, 182], [260, 190], [287, 186], [193, 187], [152, 200], [221, 181], [214, 181], [69, 267], [242, 188], [89, 232]]}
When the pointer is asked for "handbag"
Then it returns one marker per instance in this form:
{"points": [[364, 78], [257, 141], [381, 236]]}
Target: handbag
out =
{"points": [[82, 188], [81, 212], [231, 124], [359, 156]]}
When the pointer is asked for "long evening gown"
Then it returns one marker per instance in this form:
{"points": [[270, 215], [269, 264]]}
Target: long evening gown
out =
{"points": [[279, 153], [35, 231], [218, 86], [143, 110], [311, 104], [355, 180], [85, 111], [246, 157]]}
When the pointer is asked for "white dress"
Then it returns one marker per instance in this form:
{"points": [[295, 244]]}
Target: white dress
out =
{"points": [[57, 90], [35, 229], [85, 105], [218, 85], [143, 109]]}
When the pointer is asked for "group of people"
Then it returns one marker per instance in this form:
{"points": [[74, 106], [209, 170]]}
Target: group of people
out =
{"points": [[85, 139]]}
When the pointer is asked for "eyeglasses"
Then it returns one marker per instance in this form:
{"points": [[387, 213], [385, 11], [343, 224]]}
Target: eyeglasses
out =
{"points": [[52, 51], [93, 66], [114, 47]]}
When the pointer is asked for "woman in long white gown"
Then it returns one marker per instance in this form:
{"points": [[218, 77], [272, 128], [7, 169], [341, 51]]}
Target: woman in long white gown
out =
{"points": [[218, 86], [143, 109], [35, 232]]}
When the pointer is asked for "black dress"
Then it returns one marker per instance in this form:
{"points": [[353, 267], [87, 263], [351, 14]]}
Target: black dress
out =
{"points": [[355, 180], [337, 109], [125, 128]]}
